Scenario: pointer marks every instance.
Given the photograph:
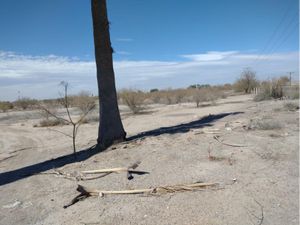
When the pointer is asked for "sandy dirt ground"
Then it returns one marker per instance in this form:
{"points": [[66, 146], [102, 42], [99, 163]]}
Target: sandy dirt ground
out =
{"points": [[257, 183]]}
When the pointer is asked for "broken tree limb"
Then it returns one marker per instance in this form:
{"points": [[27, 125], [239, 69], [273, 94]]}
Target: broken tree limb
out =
{"points": [[228, 144], [86, 192]]}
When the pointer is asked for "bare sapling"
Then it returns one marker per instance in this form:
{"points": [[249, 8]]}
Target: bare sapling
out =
{"points": [[65, 102]]}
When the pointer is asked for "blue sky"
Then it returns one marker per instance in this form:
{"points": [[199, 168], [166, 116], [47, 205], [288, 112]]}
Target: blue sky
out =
{"points": [[158, 43]]}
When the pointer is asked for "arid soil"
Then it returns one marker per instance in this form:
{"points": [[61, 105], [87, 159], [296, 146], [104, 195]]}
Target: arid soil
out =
{"points": [[254, 160]]}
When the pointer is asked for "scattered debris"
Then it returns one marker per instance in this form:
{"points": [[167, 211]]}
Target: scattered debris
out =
{"points": [[87, 192], [228, 144]]}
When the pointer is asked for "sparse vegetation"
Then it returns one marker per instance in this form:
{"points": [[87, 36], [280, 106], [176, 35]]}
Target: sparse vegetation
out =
{"points": [[25, 103], [264, 124], [133, 99], [205, 95], [4, 106], [83, 101], [247, 81], [271, 89], [291, 106], [50, 123]]}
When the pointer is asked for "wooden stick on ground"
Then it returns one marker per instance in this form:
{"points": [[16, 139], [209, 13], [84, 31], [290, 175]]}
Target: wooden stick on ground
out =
{"points": [[86, 192], [114, 170], [232, 145]]}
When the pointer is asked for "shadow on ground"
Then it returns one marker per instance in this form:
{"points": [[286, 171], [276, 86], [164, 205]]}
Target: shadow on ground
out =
{"points": [[183, 128], [27, 171]]}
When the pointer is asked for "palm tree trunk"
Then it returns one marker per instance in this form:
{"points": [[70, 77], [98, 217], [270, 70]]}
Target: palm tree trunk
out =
{"points": [[110, 125]]}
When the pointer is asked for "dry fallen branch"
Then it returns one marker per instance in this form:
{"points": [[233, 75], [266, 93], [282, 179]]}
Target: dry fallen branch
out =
{"points": [[86, 192], [104, 172], [129, 170], [114, 170], [228, 144]]}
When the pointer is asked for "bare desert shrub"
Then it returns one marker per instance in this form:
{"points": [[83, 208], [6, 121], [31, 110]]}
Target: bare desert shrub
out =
{"points": [[291, 91], [246, 82], [156, 97], [133, 99], [271, 89], [25, 103], [205, 95], [179, 95], [291, 106], [168, 97], [4, 106], [84, 101], [90, 118], [51, 122], [264, 124]]}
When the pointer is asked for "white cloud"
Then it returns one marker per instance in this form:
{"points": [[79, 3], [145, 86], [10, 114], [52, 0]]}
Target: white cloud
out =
{"points": [[124, 39], [39, 76], [123, 53], [210, 56]]}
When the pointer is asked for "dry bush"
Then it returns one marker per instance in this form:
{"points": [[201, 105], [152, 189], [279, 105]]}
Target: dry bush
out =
{"points": [[264, 124], [205, 95], [4, 106], [156, 97], [291, 106], [25, 103], [133, 99], [168, 97], [247, 81], [271, 89], [51, 123], [90, 118], [179, 95], [84, 101]]}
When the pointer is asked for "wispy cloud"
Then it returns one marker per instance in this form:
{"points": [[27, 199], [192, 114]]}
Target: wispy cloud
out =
{"points": [[124, 39], [210, 56], [39, 76], [123, 53]]}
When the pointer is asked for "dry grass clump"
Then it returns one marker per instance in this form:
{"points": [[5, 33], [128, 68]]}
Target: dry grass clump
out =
{"points": [[133, 99], [50, 123], [264, 124], [291, 106], [4, 106], [91, 118]]}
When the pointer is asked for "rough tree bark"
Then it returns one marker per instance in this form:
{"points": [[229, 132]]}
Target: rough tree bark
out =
{"points": [[110, 125]]}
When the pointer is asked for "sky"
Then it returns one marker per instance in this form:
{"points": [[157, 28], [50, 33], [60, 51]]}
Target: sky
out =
{"points": [[157, 43]]}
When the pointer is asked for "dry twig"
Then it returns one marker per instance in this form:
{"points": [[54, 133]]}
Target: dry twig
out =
{"points": [[228, 144], [87, 192]]}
